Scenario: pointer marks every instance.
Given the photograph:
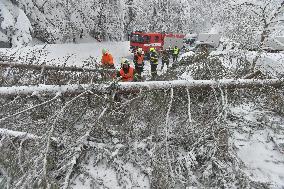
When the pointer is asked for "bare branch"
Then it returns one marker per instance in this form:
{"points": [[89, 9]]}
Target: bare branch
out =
{"points": [[252, 75], [188, 107], [78, 152], [28, 109], [51, 132]]}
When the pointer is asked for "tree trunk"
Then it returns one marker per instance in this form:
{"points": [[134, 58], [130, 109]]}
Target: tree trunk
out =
{"points": [[138, 86], [47, 67]]}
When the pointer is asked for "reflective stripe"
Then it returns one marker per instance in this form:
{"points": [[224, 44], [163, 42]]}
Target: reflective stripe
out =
{"points": [[153, 45], [175, 51]]}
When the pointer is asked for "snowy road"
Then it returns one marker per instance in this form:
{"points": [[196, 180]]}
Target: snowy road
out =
{"points": [[74, 54]]}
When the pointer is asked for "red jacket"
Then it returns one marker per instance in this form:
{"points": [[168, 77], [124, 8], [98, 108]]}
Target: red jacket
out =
{"points": [[139, 59], [127, 76], [107, 59]]}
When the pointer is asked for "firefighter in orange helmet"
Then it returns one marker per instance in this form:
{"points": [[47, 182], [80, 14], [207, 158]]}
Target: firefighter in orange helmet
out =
{"points": [[107, 59], [127, 72]]}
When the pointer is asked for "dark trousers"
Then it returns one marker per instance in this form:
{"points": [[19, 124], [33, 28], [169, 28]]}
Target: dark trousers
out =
{"points": [[138, 69], [154, 70], [165, 62], [175, 57]]}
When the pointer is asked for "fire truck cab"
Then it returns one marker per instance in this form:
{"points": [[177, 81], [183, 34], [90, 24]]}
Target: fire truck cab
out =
{"points": [[157, 40]]}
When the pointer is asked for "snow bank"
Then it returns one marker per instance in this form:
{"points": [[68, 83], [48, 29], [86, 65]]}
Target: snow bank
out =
{"points": [[187, 54]]}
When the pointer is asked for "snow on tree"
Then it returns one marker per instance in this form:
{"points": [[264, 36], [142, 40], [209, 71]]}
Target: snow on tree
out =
{"points": [[7, 20], [253, 21], [77, 130], [22, 30], [16, 24], [114, 20]]}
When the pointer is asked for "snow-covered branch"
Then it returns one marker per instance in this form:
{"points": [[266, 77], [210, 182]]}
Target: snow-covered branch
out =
{"points": [[137, 86], [50, 67], [18, 134], [252, 75], [49, 137], [78, 151], [28, 109], [22, 135]]}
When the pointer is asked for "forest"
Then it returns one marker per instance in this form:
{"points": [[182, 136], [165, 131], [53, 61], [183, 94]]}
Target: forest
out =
{"points": [[211, 119]]}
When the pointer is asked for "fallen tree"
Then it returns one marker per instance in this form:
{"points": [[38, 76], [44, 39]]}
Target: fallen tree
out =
{"points": [[137, 86], [116, 135], [50, 67]]}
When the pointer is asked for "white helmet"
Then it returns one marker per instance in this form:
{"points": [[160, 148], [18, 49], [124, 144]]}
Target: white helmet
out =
{"points": [[125, 61]]}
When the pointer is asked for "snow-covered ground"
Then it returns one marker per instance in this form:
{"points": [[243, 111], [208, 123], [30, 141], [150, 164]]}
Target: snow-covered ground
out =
{"points": [[73, 54], [107, 176], [263, 161]]}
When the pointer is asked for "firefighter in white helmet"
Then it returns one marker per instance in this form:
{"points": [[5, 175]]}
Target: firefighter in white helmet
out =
{"points": [[126, 72]]}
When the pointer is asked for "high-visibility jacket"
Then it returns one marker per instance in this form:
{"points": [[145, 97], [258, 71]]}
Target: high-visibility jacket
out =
{"points": [[139, 59], [175, 51], [107, 59], [127, 76], [154, 58]]}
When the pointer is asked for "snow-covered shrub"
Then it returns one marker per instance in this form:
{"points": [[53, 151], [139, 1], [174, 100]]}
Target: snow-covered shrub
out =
{"points": [[206, 68]]}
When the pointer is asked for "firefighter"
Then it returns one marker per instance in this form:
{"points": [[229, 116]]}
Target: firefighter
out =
{"points": [[107, 59], [165, 58], [139, 61], [170, 51], [153, 61], [175, 53], [126, 72]]}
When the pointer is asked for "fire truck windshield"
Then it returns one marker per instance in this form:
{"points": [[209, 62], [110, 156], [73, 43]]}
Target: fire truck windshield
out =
{"points": [[136, 38]]}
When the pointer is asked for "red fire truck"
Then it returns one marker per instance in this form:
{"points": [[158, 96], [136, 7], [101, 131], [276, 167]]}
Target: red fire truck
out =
{"points": [[146, 40]]}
